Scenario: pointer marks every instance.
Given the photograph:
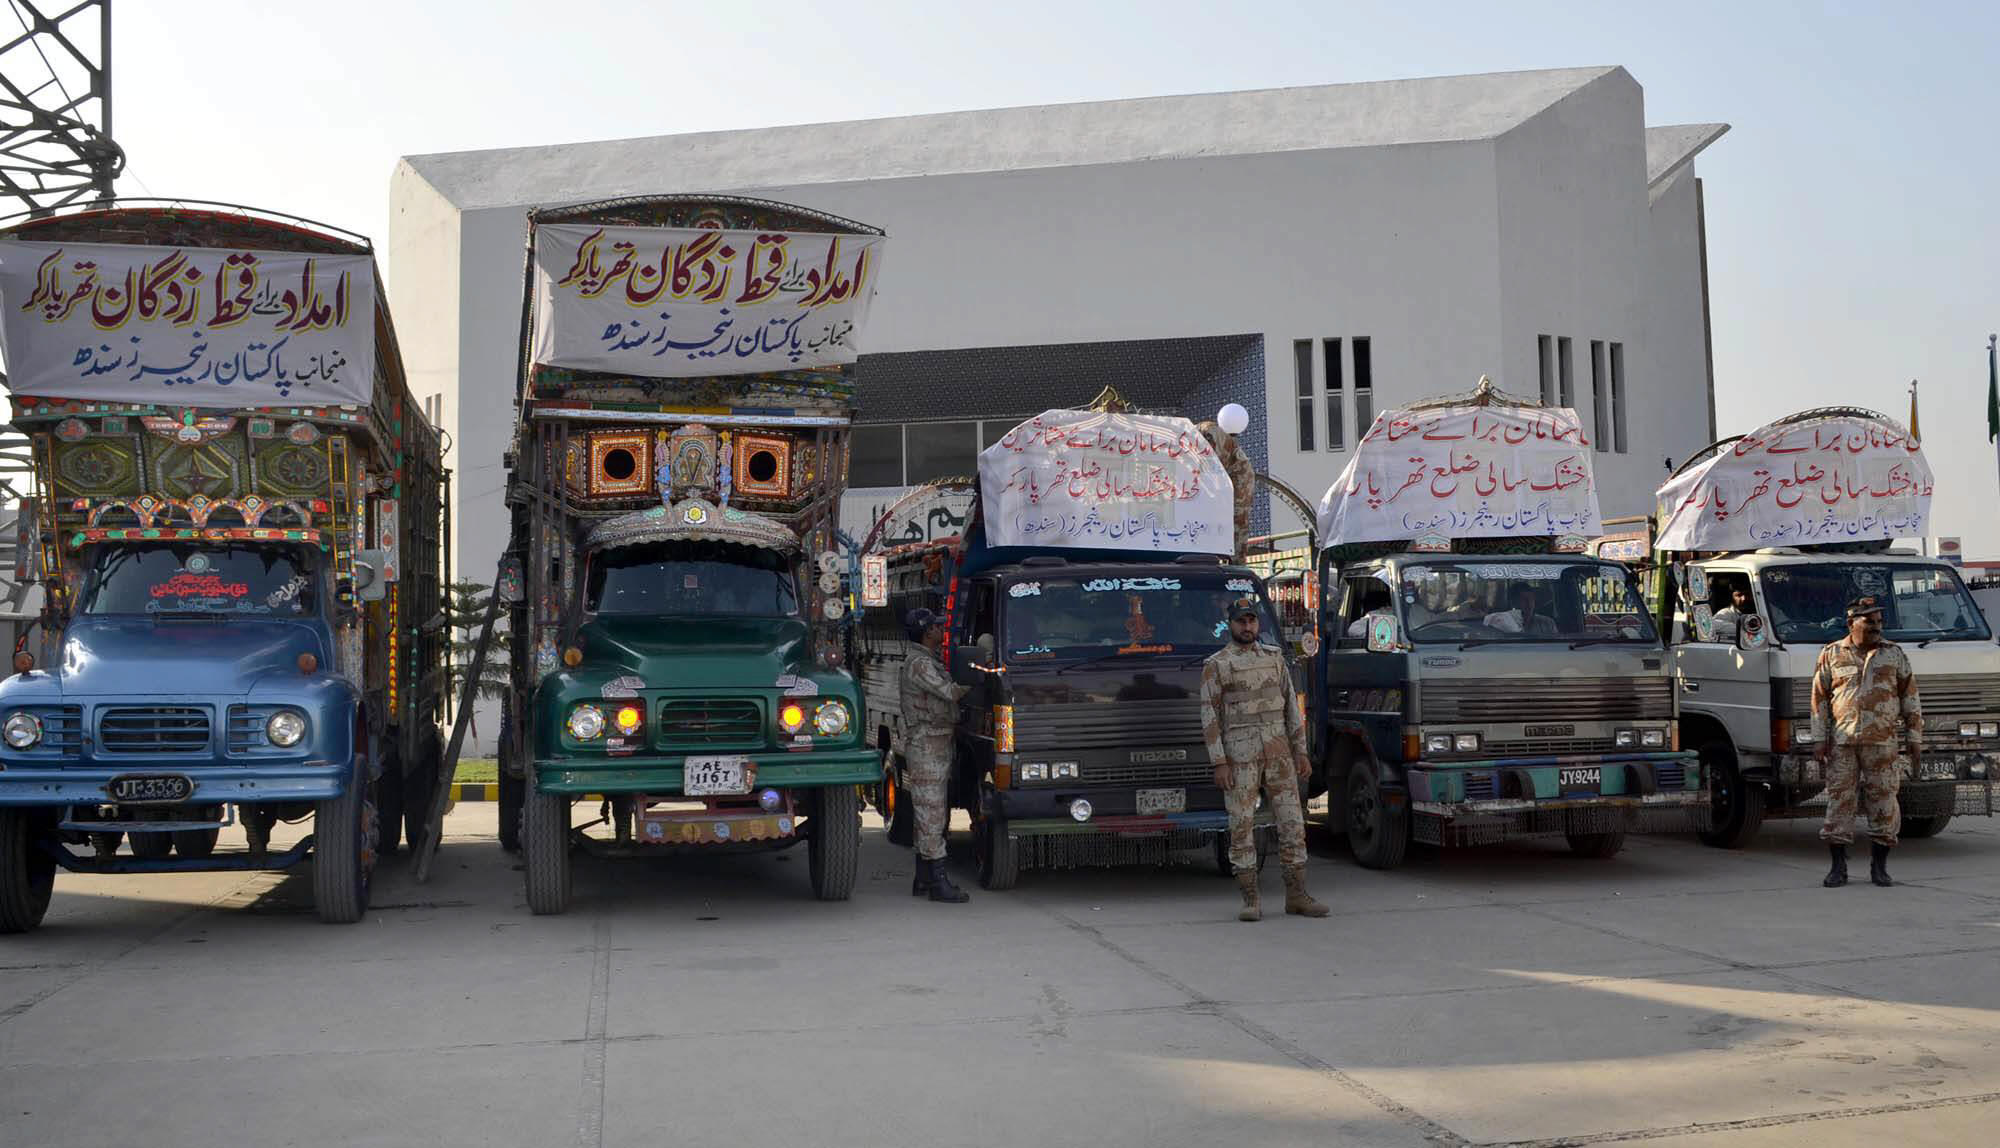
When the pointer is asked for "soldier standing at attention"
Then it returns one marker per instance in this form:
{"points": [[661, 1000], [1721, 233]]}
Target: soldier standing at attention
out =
{"points": [[1257, 739], [930, 711], [1861, 687]]}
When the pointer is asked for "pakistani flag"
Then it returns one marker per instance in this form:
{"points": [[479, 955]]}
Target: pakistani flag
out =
{"points": [[1992, 393]]}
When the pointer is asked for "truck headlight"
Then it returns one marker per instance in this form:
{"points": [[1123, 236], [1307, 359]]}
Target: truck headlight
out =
{"points": [[23, 730], [1653, 738], [792, 717], [586, 723], [285, 728], [1968, 729], [1034, 771], [1625, 738], [1989, 729], [831, 719], [1437, 743], [1465, 742], [1063, 770]]}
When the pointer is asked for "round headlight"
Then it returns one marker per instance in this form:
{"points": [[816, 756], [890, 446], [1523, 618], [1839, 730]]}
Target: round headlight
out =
{"points": [[23, 730], [831, 718], [586, 723], [285, 728]]}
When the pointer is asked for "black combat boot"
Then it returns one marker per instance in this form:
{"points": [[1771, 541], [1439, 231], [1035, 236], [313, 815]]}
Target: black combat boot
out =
{"points": [[941, 887], [1878, 865], [920, 883], [1836, 876]]}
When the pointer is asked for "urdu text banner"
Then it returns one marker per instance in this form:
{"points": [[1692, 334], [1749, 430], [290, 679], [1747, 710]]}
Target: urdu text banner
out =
{"points": [[188, 326], [668, 303]]}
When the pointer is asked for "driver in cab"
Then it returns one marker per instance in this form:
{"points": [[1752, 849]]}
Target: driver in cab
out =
{"points": [[1521, 617]]}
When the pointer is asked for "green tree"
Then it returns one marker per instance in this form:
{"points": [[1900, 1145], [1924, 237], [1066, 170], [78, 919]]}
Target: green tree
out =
{"points": [[467, 610]]}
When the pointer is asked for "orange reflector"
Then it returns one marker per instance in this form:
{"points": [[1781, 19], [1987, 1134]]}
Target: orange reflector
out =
{"points": [[23, 662], [1413, 747], [572, 657], [792, 716], [627, 719]]}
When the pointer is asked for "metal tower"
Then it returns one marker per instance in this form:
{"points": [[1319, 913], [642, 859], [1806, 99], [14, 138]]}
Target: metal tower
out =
{"points": [[55, 103]]}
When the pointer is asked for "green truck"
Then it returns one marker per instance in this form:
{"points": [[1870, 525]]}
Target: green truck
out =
{"points": [[674, 592]]}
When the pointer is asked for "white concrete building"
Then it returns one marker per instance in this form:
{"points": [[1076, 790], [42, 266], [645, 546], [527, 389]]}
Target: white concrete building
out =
{"points": [[1315, 253]]}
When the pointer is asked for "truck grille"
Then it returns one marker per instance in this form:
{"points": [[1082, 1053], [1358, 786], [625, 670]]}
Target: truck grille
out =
{"points": [[1178, 773], [711, 723], [1511, 700], [1967, 694], [154, 729], [1544, 747], [1119, 727]]}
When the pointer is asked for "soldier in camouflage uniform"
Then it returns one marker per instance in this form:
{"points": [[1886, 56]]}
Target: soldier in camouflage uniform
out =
{"points": [[1242, 477], [1862, 689], [930, 711], [1257, 740]]}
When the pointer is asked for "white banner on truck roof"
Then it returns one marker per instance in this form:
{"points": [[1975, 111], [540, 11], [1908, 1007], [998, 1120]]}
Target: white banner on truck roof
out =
{"points": [[1838, 478], [1102, 481], [670, 303], [187, 326], [1472, 471]]}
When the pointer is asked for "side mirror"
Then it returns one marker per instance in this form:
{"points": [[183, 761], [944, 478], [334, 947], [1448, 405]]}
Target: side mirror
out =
{"points": [[1385, 634], [1751, 633], [369, 585]]}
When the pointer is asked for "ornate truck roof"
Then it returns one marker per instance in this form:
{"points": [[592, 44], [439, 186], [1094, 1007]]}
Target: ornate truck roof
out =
{"points": [[1478, 472], [692, 520], [1844, 477]]}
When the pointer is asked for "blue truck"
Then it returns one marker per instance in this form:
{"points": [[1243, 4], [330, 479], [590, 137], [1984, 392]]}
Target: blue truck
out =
{"points": [[243, 618]]}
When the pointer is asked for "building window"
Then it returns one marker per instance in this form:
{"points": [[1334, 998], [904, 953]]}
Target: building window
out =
{"points": [[993, 430], [1618, 397], [876, 455], [939, 450], [1565, 373], [1600, 412], [1545, 347], [1364, 383], [1336, 402], [1302, 366]]}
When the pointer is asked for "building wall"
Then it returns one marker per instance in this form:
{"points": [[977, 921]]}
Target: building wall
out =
{"points": [[1676, 378]]}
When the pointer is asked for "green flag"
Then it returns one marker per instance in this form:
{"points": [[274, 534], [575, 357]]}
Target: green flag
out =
{"points": [[1992, 393]]}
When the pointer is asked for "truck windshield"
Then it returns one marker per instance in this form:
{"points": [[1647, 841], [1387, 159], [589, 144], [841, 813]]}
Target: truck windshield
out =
{"points": [[1807, 602], [681, 579], [1090, 615], [1523, 600], [202, 578]]}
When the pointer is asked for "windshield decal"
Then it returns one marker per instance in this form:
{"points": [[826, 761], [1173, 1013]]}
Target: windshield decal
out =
{"points": [[1034, 652], [282, 594], [1521, 571], [1138, 649], [1100, 585], [1241, 585], [1025, 590]]}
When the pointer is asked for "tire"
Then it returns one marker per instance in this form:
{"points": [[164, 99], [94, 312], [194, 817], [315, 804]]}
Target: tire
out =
{"points": [[344, 834], [196, 844], [545, 825], [27, 875], [513, 793], [901, 817], [1736, 810], [391, 792], [1920, 827], [152, 846], [1263, 840], [997, 852], [833, 852], [1597, 846], [1378, 833]]}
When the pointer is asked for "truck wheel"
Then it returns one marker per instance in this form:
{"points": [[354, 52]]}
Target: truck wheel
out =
{"points": [[998, 853], [1736, 809], [1378, 832], [27, 875], [391, 793], [344, 853], [512, 792], [1914, 827], [901, 816], [419, 790], [1596, 845], [152, 846], [833, 853], [545, 850], [195, 844], [1263, 840]]}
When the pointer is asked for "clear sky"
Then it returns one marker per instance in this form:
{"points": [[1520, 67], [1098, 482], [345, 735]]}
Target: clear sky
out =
{"points": [[1853, 239]]}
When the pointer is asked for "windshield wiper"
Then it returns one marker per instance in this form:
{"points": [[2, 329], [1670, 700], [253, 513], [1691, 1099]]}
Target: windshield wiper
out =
{"points": [[1580, 643], [1090, 661]]}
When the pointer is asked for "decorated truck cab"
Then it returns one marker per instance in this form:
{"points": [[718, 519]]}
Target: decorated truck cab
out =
{"points": [[1480, 678], [1759, 544], [676, 598], [238, 521]]}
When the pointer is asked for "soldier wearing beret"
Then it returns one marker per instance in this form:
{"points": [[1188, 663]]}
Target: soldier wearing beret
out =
{"points": [[1862, 691]]}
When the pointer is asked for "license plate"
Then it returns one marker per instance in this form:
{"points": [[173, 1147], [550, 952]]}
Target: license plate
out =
{"points": [[1586, 778], [710, 776], [1162, 801], [149, 787]]}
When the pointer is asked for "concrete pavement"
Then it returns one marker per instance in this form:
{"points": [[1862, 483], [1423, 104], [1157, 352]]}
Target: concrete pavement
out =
{"points": [[1674, 996]]}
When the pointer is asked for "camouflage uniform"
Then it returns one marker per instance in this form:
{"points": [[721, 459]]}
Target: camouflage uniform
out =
{"points": [[1250, 718], [930, 710], [1242, 477], [1858, 697]]}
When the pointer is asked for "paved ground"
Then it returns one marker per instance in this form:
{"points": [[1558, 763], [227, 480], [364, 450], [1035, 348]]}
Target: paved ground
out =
{"points": [[1676, 996]]}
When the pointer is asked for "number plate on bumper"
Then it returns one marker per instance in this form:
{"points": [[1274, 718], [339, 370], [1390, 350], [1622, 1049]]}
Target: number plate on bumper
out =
{"points": [[150, 788], [716, 776], [1585, 779], [1155, 801]]}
